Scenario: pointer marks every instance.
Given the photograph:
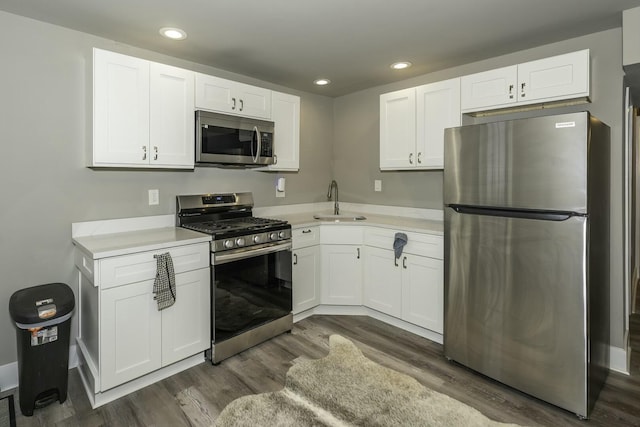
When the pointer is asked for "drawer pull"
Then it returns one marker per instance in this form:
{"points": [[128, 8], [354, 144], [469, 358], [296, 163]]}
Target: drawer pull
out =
{"points": [[306, 231]]}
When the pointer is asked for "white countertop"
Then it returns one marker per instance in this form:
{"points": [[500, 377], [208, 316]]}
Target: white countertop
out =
{"points": [[115, 244], [305, 219]]}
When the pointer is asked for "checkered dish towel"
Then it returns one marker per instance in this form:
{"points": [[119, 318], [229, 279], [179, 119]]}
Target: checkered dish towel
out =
{"points": [[164, 287]]}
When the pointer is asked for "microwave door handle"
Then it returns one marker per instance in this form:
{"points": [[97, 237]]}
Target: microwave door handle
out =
{"points": [[259, 145]]}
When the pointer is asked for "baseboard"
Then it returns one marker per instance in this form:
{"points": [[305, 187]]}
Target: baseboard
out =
{"points": [[9, 372], [618, 359]]}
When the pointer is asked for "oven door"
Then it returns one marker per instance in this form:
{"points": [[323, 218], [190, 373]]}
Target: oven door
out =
{"points": [[250, 289]]}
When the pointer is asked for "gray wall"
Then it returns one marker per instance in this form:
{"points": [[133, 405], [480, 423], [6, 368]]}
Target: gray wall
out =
{"points": [[45, 126], [356, 146]]}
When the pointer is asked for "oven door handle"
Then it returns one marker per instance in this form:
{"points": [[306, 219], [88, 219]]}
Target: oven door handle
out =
{"points": [[249, 253]]}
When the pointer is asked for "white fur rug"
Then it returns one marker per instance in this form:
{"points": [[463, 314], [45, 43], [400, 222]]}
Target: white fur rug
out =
{"points": [[347, 389]]}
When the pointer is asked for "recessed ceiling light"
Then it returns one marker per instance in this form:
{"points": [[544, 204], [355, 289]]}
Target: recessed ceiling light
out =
{"points": [[173, 33], [401, 65], [322, 82]]}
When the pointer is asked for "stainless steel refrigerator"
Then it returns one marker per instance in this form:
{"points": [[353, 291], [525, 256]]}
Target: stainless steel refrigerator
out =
{"points": [[527, 255]]}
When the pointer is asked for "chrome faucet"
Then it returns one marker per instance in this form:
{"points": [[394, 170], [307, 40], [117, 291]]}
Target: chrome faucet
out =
{"points": [[336, 208]]}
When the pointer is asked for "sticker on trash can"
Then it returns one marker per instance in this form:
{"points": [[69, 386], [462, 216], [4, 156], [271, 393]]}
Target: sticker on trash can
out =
{"points": [[41, 336]]}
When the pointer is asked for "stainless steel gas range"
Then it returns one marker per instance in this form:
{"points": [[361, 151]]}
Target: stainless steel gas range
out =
{"points": [[250, 270]]}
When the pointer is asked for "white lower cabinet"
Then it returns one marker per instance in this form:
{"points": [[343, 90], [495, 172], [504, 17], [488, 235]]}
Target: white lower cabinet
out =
{"points": [[409, 287], [123, 336], [423, 292], [341, 274], [382, 281], [341, 261], [306, 269], [136, 338]]}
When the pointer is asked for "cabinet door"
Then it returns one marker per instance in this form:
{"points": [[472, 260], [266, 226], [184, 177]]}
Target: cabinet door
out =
{"points": [[285, 113], [398, 130], [252, 101], [489, 89], [437, 108], [555, 78], [226, 96], [130, 336], [186, 325], [382, 288], [422, 292], [341, 277], [306, 278], [120, 110], [215, 94], [171, 116]]}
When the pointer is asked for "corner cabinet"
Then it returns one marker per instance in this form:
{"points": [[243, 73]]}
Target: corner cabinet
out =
{"points": [[412, 123], [306, 268], [142, 113], [341, 260], [123, 337], [226, 96], [554, 79]]}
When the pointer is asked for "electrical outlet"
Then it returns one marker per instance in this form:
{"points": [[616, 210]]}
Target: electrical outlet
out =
{"points": [[154, 197], [377, 185]]}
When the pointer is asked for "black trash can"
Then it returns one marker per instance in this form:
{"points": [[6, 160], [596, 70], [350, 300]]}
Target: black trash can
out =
{"points": [[43, 319]]}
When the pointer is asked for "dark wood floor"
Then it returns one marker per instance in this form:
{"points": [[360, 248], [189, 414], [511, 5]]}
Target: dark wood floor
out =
{"points": [[195, 397]]}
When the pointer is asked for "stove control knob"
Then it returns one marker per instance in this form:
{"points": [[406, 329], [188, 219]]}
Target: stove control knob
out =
{"points": [[228, 244], [273, 236], [256, 239], [281, 234], [240, 241]]}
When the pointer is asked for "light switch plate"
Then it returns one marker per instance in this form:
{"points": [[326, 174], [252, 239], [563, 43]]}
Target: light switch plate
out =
{"points": [[377, 185]]}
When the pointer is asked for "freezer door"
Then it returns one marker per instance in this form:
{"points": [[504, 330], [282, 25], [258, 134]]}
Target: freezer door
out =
{"points": [[515, 303], [536, 163]]}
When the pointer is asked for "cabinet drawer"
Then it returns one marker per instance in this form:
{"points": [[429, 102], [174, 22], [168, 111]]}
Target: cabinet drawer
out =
{"points": [[133, 268], [417, 243], [341, 235], [307, 236]]}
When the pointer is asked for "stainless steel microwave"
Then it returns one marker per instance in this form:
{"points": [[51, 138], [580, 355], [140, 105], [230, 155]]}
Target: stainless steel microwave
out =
{"points": [[233, 141]]}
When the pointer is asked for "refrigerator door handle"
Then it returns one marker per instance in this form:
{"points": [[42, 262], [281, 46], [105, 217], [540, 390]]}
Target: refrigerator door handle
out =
{"points": [[509, 213]]}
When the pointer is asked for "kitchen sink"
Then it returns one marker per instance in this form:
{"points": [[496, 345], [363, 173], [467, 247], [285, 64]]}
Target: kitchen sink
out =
{"points": [[338, 218]]}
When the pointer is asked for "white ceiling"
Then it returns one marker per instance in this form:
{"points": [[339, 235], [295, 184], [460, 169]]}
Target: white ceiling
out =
{"points": [[350, 42]]}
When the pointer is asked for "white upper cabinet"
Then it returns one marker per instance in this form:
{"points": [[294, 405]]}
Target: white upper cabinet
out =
{"points": [[142, 113], [285, 113], [437, 108], [226, 96], [490, 88], [557, 78], [550, 79], [172, 131], [412, 123], [398, 129]]}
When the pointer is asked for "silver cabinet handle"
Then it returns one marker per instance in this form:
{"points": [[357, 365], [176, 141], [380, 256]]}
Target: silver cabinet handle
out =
{"points": [[241, 105], [306, 231], [144, 153], [522, 89], [404, 262], [410, 158], [510, 91], [419, 159], [395, 261], [233, 107], [358, 253], [295, 259], [155, 151]]}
